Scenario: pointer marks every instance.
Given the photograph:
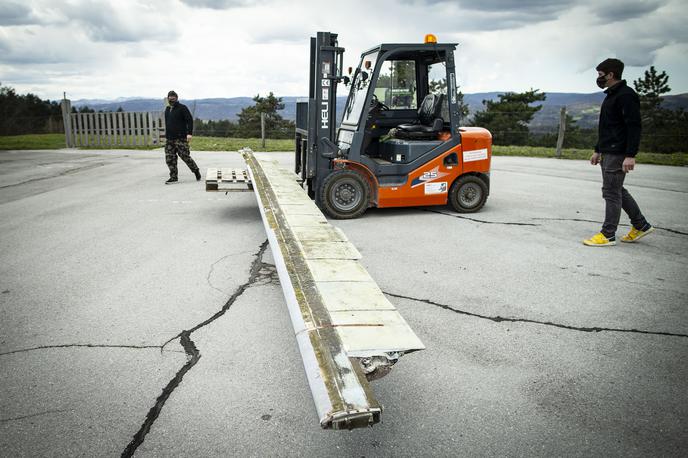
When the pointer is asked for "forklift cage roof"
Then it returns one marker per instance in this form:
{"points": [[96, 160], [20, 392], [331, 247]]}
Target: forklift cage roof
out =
{"points": [[384, 47]]}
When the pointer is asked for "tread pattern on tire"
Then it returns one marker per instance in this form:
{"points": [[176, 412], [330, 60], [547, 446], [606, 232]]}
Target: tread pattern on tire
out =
{"points": [[454, 200], [330, 180]]}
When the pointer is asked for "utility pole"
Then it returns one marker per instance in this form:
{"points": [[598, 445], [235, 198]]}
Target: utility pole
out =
{"points": [[562, 128], [262, 130], [66, 106]]}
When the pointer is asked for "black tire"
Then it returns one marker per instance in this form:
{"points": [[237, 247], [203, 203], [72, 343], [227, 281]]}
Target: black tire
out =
{"points": [[345, 194], [468, 194]]}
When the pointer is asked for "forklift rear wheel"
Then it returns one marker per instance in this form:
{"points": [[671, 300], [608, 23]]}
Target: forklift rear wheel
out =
{"points": [[468, 194], [345, 194]]}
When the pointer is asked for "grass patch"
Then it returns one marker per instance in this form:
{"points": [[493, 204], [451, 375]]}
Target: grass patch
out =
{"points": [[678, 159], [35, 141], [234, 144], [56, 141], [139, 139]]}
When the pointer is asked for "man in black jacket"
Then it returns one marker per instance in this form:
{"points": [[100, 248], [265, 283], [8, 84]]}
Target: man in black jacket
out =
{"points": [[619, 138], [178, 131]]}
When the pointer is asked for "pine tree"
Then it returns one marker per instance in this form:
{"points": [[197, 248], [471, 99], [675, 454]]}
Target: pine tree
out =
{"points": [[656, 120], [651, 87], [508, 118], [275, 125]]}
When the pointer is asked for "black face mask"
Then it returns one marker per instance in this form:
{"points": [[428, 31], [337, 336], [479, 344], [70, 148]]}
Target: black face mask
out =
{"points": [[601, 81]]}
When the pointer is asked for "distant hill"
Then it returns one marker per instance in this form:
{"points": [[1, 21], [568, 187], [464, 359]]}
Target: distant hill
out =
{"points": [[583, 107]]}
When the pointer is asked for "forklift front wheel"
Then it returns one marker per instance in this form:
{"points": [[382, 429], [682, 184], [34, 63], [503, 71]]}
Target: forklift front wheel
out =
{"points": [[468, 194], [345, 194]]}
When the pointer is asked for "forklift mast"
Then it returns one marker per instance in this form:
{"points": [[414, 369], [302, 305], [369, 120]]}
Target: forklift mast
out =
{"points": [[316, 127]]}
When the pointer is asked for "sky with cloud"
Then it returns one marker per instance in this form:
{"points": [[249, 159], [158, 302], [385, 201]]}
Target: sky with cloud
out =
{"points": [[227, 48]]}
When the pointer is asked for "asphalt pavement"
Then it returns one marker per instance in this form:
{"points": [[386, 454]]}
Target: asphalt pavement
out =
{"points": [[144, 318]]}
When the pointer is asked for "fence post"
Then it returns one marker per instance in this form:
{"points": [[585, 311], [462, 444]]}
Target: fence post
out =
{"points": [[161, 126], [562, 128], [82, 129], [99, 129], [127, 129], [135, 128], [149, 134], [66, 106], [262, 129], [120, 129], [89, 129]]}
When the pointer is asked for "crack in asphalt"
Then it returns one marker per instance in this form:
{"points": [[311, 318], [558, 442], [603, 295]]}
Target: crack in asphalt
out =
{"points": [[210, 272], [192, 353], [510, 223], [43, 347], [636, 283], [254, 275], [600, 222], [499, 319], [505, 223], [192, 357], [5, 420], [63, 173]]}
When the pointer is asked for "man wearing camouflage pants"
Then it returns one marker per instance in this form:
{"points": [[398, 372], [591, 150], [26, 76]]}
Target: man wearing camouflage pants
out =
{"points": [[178, 131]]}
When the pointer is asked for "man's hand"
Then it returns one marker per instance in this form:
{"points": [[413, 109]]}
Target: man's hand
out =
{"points": [[628, 164], [595, 158], [188, 137]]}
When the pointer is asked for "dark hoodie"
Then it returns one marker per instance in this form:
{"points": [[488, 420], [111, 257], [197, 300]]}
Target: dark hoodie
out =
{"points": [[619, 128], [178, 122]]}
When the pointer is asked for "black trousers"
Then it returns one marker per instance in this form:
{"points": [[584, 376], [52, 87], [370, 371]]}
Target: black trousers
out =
{"points": [[616, 197]]}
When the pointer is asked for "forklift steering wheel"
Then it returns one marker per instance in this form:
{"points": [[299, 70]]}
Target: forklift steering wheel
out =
{"points": [[375, 104]]}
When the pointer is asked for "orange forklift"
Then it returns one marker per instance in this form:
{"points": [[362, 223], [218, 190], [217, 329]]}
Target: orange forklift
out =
{"points": [[398, 143]]}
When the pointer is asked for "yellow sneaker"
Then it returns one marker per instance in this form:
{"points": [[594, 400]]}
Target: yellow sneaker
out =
{"points": [[634, 235], [600, 240]]}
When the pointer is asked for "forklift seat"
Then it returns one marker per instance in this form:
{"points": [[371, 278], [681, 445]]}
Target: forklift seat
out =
{"points": [[429, 120]]}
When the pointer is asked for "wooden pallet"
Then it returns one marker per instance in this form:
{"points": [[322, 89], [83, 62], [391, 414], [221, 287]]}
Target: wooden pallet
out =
{"points": [[228, 180]]}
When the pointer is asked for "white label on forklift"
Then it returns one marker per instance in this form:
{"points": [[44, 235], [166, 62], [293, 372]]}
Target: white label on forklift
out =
{"points": [[325, 82], [475, 155], [325, 94], [436, 188]]}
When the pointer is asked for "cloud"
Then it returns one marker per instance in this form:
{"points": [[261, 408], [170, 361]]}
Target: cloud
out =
{"points": [[615, 10], [16, 13], [111, 48], [220, 4], [493, 14], [270, 35], [130, 22], [20, 48], [638, 40]]}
